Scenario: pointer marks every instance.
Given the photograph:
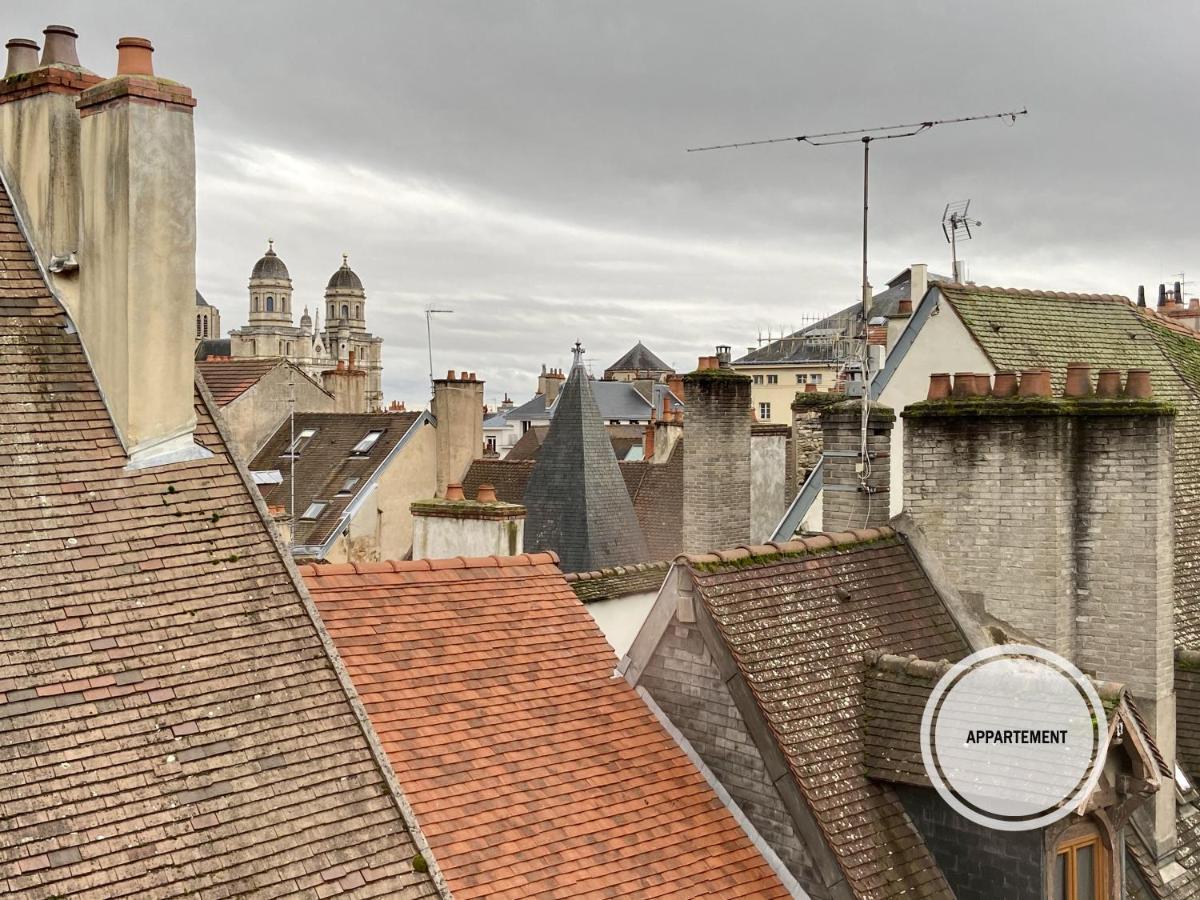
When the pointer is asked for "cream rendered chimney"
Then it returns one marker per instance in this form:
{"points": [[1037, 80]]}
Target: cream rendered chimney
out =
{"points": [[39, 147], [458, 408], [137, 255], [918, 282]]}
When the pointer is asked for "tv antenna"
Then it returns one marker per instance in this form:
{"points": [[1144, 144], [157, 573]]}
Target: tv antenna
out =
{"points": [[956, 226], [865, 136], [430, 312]]}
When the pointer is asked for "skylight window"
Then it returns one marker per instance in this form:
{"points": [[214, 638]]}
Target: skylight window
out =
{"points": [[348, 486], [301, 439], [314, 510], [367, 442]]}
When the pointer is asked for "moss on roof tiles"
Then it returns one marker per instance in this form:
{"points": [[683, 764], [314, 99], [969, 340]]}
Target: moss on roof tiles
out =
{"points": [[979, 407]]}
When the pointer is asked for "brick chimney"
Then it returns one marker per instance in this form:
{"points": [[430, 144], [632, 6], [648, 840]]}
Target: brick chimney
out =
{"points": [[348, 386], [458, 408], [137, 254], [550, 382], [716, 460], [484, 526], [1054, 516], [855, 495], [39, 146]]}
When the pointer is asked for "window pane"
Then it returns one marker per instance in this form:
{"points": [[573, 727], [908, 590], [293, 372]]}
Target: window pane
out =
{"points": [[1085, 872], [1060, 877]]}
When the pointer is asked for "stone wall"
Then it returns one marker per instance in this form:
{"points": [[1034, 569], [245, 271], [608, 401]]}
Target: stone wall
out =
{"points": [[683, 679], [768, 479], [259, 412], [716, 471]]}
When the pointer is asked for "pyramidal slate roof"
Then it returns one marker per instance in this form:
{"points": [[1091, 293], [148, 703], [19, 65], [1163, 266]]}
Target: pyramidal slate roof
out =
{"points": [[576, 496], [639, 358]]}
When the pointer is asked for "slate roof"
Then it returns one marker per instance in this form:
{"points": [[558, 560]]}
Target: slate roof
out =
{"points": [[1021, 329], [639, 358], [270, 266], [576, 501], [617, 401], [655, 488], [624, 438], [212, 347], [344, 278], [797, 618], [173, 721], [534, 772], [325, 463]]}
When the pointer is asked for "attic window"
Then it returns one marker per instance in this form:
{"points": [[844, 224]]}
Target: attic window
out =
{"points": [[301, 439], [314, 510], [347, 486], [365, 445]]}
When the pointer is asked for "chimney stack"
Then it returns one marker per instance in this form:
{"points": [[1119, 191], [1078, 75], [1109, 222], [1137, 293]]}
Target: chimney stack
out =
{"points": [[716, 461], [456, 526], [918, 283], [852, 498], [457, 407], [39, 146], [137, 254], [1141, 301], [1089, 583]]}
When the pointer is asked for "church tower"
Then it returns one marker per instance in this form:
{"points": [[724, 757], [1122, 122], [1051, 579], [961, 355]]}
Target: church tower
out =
{"points": [[345, 300], [270, 291], [346, 336]]}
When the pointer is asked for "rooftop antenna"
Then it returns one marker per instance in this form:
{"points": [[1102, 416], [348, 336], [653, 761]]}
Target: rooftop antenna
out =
{"points": [[865, 136], [430, 312], [956, 226]]}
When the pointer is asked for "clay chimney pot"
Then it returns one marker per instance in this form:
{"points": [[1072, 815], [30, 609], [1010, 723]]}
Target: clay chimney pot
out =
{"points": [[455, 492], [1005, 385], [1137, 385], [1079, 380], [1109, 383], [450, 375], [964, 385], [939, 386], [983, 384], [1034, 383], [134, 56], [22, 56], [60, 46], [485, 494], [810, 388]]}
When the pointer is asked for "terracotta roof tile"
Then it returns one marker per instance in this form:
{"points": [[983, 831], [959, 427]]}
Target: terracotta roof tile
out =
{"points": [[173, 722], [797, 621], [228, 379], [533, 771]]}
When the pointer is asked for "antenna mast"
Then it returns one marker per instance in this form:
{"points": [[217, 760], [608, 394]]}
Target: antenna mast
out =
{"points": [[865, 136], [955, 226]]}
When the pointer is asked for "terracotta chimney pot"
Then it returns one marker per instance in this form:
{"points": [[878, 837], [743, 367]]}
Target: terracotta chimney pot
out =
{"points": [[1109, 383], [22, 56], [454, 491], [1034, 383], [351, 363], [1079, 380], [485, 494], [134, 56], [1137, 385], [810, 388], [1005, 385], [60, 46], [939, 386], [983, 384], [964, 385], [648, 442]]}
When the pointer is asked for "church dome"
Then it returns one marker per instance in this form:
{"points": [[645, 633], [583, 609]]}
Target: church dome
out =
{"points": [[270, 266], [306, 319], [344, 278]]}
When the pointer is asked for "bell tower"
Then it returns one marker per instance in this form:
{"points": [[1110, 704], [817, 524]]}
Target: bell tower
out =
{"points": [[270, 290]]}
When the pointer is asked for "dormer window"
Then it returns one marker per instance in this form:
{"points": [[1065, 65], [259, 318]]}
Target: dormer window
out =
{"points": [[301, 439], [364, 446]]}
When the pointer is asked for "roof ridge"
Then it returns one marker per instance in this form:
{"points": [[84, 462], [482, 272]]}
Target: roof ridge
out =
{"points": [[971, 288], [824, 541], [524, 560], [609, 571]]}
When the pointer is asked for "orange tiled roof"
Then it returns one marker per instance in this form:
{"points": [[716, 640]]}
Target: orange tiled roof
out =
{"points": [[172, 721], [533, 771], [228, 379]]}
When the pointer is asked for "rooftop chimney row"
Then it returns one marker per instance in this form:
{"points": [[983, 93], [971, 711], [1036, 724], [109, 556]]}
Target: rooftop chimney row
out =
{"points": [[1036, 383]]}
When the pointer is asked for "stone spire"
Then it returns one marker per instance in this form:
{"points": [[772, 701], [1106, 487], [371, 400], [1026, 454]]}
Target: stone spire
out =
{"points": [[576, 497]]}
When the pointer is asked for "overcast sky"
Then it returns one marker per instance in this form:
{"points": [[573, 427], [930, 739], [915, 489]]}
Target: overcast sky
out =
{"points": [[523, 163]]}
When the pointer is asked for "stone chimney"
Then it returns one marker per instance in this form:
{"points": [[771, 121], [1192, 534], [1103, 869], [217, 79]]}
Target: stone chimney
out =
{"points": [[445, 528], [716, 461], [550, 382], [348, 386], [855, 493], [458, 408], [137, 253], [1054, 517], [39, 147], [918, 283]]}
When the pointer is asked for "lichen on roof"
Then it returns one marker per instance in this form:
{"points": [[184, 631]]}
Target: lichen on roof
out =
{"points": [[983, 407]]}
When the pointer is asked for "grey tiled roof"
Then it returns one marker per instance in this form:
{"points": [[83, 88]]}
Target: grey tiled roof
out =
{"points": [[270, 266], [576, 497], [639, 358], [616, 401]]}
